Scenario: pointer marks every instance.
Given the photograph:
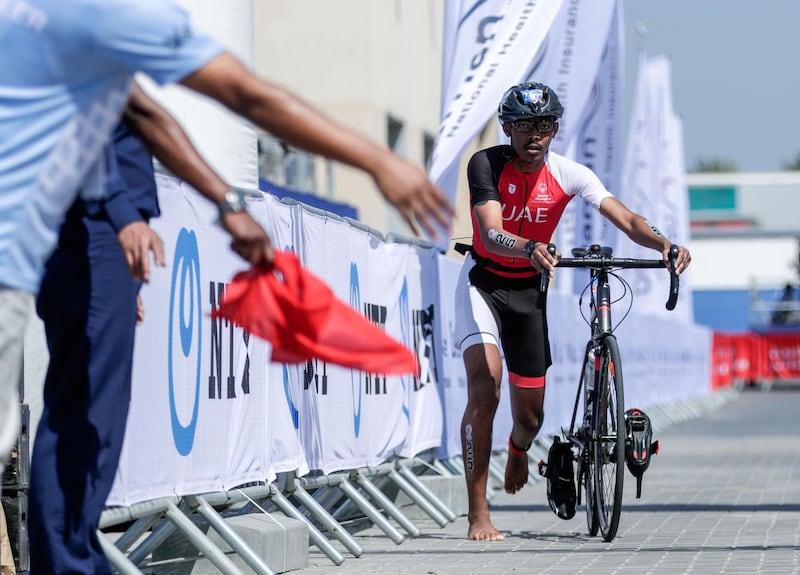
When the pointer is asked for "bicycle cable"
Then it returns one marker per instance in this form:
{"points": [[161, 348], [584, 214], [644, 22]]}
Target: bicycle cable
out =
{"points": [[626, 289]]}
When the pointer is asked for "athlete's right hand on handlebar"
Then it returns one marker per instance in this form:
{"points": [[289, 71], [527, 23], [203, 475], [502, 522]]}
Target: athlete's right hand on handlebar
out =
{"points": [[551, 256], [544, 257]]}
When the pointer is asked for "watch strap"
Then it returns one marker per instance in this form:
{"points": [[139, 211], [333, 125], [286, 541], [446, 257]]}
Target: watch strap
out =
{"points": [[528, 248]]}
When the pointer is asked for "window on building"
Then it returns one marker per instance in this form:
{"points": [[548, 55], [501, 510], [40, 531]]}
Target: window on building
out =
{"points": [[395, 135], [427, 150], [286, 166]]}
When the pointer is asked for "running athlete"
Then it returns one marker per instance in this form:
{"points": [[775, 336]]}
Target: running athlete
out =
{"points": [[518, 193]]}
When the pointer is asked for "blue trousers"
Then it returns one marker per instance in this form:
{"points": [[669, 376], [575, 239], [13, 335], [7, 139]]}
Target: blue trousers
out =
{"points": [[88, 304]]}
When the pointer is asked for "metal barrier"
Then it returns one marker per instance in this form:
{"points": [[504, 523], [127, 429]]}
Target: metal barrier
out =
{"points": [[321, 502]]}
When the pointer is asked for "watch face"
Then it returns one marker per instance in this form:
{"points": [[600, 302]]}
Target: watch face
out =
{"points": [[232, 202], [529, 248]]}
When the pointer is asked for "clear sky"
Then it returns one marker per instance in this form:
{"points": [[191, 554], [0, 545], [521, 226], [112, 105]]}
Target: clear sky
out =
{"points": [[735, 75]]}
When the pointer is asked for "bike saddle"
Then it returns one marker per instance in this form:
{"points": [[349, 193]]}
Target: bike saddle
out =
{"points": [[592, 250]]}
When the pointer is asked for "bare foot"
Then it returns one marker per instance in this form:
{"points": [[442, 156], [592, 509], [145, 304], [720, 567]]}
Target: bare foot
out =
{"points": [[481, 528], [516, 472]]}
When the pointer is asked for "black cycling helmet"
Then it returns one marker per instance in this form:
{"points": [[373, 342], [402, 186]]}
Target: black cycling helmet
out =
{"points": [[528, 100]]}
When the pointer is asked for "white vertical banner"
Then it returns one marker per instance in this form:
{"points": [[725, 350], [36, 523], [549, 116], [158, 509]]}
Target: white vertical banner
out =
{"points": [[598, 139], [386, 300], [597, 143], [419, 311], [590, 81], [580, 60], [488, 47], [570, 58], [672, 210], [655, 183], [330, 409], [284, 392], [639, 188], [196, 421], [349, 418], [453, 379]]}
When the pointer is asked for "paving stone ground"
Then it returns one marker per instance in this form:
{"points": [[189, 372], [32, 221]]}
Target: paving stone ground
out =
{"points": [[723, 496]]}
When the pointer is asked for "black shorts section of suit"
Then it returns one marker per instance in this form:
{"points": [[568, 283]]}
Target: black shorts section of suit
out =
{"points": [[521, 316]]}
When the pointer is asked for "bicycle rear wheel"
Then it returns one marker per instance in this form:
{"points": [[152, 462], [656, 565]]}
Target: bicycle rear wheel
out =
{"points": [[609, 435]]}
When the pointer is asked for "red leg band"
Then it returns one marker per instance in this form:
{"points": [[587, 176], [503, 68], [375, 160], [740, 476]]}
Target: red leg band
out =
{"points": [[514, 450]]}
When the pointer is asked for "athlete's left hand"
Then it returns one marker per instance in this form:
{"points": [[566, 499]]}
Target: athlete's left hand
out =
{"points": [[681, 262]]}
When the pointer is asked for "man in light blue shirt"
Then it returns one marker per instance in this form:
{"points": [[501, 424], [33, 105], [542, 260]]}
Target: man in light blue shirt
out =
{"points": [[65, 74]]}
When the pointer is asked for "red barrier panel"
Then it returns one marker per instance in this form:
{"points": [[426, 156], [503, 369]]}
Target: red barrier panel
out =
{"points": [[752, 357], [722, 358], [748, 361], [780, 356]]}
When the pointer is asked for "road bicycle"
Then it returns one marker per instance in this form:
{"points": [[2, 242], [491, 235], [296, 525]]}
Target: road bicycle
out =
{"points": [[599, 434]]}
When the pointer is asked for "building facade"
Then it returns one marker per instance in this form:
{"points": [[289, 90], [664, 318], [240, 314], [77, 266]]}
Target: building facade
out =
{"points": [[372, 66]]}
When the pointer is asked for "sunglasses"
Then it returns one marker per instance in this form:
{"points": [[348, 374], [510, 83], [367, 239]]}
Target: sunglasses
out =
{"points": [[542, 126]]}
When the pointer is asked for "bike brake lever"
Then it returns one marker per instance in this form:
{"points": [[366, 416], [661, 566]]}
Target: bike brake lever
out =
{"points": [[674, 280], [545, 279]]}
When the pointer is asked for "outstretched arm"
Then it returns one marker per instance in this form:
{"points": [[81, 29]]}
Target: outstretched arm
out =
{"points": [[289, 118], [167, 141], [638, 229]]}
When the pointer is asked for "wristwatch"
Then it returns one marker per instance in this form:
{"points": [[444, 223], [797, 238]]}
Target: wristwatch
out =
{"points": [[528, 249], [233, 202]]}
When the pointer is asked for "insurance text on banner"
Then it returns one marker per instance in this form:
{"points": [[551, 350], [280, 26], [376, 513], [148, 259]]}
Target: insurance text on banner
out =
{"points": [[597, 141]]}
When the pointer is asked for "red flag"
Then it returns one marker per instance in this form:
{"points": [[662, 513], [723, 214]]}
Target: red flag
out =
{"points": [[301, 317]]}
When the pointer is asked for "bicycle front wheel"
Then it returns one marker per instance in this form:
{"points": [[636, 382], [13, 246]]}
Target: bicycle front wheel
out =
{"points": [[586, 468], [609, 444]]}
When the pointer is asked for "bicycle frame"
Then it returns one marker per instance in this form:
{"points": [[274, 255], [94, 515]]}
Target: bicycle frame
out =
{"points": [[600, 325]]}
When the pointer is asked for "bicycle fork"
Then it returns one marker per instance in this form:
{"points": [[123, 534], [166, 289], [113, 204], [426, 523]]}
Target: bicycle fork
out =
{"points": [[581, 433]]}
